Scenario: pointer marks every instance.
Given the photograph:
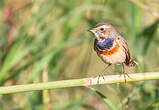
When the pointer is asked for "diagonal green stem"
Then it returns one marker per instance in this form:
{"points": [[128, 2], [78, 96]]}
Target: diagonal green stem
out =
{"points": [[79, 82]]}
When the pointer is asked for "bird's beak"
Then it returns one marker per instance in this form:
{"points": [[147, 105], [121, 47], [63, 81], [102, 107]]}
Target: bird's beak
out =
{"points": [[91, 30]]}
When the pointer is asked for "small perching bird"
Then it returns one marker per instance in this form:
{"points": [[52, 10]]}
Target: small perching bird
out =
{"points": [[111, 47]]}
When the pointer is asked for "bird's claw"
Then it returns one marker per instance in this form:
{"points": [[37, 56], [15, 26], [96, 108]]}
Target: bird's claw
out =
{"points": [[101, 75]]}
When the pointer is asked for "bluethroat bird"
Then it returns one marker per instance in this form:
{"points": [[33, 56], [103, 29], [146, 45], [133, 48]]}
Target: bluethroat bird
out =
{"points": [[111, 47]]}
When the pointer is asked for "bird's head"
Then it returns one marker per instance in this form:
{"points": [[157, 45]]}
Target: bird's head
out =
{"points": [[101, 31]]}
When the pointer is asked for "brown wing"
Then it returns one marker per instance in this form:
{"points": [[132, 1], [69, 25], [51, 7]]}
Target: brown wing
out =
{"points": [[128, 61], [127, 52]]}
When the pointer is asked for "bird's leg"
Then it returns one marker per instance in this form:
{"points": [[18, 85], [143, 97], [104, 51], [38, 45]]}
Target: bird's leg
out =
{"points": [[124, 72], [102, 73]]}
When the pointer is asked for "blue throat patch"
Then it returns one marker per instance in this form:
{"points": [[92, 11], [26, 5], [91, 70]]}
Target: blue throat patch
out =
{"points": [[106, 44]]}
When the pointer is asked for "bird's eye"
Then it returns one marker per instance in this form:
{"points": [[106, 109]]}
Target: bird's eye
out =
{"points": [[101, 29]]}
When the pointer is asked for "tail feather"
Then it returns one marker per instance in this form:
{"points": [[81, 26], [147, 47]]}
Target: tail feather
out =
{"points": [[132, 63]]}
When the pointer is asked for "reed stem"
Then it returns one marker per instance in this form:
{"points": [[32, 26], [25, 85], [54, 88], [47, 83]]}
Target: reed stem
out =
{"points": [[79, 82]]}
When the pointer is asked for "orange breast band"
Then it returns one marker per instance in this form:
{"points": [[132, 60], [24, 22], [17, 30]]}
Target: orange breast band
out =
{"points": [[110, 52]]}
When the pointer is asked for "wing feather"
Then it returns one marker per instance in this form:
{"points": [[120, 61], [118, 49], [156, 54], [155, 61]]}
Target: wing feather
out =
{"points": [[127, 52]]}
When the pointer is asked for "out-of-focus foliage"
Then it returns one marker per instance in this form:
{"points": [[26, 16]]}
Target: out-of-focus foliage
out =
{"points": [[36, 33]]}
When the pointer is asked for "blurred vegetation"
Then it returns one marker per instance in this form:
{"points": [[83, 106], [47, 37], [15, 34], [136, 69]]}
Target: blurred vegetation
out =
{"points": [[51, 36]]}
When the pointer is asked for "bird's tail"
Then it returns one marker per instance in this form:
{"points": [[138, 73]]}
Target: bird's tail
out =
{"points": [[132, 63]]}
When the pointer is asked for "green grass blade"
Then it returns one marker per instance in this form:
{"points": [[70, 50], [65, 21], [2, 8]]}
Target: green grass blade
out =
{"points": [[108, 101], [153, 105]]}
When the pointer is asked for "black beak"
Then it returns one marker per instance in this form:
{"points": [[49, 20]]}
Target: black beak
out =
{"points": [[90, 30]]}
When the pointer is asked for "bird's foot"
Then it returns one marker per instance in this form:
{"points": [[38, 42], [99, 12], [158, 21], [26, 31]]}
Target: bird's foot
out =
{"points": [[101, 75], [125, 74]]}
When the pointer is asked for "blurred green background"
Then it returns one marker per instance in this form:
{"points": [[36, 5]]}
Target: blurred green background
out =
{"points": [[47, 40]]}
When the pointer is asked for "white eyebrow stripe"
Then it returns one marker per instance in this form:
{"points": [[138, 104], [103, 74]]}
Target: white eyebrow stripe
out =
{"points": [[104, 26], [107, 26]]}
